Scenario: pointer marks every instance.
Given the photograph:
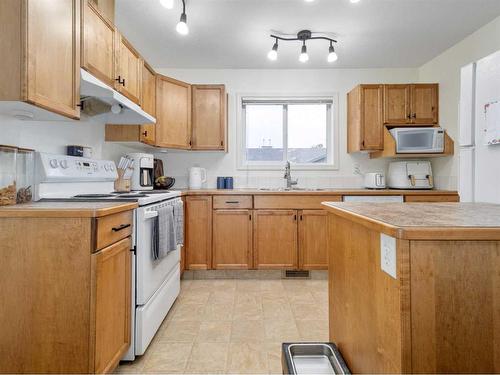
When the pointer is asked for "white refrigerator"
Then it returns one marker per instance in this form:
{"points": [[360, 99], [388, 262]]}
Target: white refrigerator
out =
{"points": [[479, 174]]}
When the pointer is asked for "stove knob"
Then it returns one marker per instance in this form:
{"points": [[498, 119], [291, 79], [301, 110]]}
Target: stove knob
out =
{"points": [[111, 167], [64, 164], [53, 163], [106, 167]]}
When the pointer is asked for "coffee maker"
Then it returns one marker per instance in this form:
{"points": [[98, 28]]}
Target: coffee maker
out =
{"points": [[142, 177]]}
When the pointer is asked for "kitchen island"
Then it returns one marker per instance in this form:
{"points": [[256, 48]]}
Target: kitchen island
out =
{"points": [[415, 287]]}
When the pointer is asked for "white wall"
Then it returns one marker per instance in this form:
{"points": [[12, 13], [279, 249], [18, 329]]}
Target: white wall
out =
{"points": [[54, 136], [293, 82], [445, 69]]}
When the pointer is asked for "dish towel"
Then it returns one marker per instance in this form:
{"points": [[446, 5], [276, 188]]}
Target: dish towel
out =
{"points": [[163, 233], [179, 223]]}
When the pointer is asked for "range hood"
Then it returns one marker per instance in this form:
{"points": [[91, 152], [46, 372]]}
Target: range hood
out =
{"points": [[103, 103]]}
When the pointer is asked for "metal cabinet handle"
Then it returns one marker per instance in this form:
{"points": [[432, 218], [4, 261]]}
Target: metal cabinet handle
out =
{"points": [[294, 217], [119, 80], [145, 133], [121, 227], [123, 82], [233, 202]]}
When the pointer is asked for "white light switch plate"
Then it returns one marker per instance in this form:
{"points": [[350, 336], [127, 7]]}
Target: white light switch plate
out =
{"points": [[388, 255]]}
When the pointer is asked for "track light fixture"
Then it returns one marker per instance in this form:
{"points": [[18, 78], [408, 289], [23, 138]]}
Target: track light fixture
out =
{"points": [[303, 57], [303, 36], [182, 27], [273, 53]]}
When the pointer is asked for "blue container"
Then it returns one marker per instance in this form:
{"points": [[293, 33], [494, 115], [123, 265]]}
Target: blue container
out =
{"points": [[229, 183], [221, 183]]}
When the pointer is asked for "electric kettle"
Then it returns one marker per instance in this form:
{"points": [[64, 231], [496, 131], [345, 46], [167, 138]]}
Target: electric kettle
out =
{"points": [[197, 177]]}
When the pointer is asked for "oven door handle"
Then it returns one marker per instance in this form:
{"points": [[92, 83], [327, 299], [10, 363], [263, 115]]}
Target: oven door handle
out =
{"points": [[150, 214]]}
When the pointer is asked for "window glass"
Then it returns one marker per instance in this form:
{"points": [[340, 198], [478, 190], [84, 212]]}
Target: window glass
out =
{"points": [[264, 132], [307, 133]]}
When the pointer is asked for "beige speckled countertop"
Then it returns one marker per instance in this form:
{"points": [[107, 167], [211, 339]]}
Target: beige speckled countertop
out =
{"points": [[65, 209], [354, 191], [473, 221]]}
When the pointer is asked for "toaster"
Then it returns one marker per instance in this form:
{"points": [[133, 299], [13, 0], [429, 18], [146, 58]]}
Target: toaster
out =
{"points": [[410, 175], [374, 180]]}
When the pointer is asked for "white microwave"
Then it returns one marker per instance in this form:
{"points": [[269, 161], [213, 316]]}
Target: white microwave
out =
{"points": [[418, 140]]}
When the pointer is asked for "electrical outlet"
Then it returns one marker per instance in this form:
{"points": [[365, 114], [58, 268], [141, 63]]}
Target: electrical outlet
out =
{"points": [[388, 255], [356, 169]]}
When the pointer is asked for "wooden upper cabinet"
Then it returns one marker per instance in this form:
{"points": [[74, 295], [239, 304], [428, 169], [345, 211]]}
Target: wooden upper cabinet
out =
{"points": [[173, 113], [106, 7], [198, 245], [425, 104], [112, 270], [414, 104], [209, 117], [148, 101], [365, 118], [313, 250], [98, 44], [40, 63], [397, 104], [232, 239], [128, 69], [275, 239]]}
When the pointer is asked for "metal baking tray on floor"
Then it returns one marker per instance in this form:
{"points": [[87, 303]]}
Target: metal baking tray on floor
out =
{"points": [[312, 358]]}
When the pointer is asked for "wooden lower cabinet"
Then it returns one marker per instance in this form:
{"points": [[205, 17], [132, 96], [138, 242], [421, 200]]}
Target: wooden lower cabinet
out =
{"points": [[232, 239], [198, 216], [313, 253], [65, 304], [275, 239], [112, 304]]}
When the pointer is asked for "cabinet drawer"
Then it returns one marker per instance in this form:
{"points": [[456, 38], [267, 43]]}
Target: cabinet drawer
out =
{"points": [[298, 202], [112, 228], [432, 198], [232, 201]]}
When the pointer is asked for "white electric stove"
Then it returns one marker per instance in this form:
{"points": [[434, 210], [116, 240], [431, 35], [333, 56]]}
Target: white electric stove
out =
{"points": [[155, 283]]}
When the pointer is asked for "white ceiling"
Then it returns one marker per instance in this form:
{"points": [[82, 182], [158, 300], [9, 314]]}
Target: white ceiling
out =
{"points": [[235, 33]]}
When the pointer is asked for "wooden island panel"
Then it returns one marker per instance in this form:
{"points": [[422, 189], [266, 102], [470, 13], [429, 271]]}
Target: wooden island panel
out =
{"points": [[441, 314]]}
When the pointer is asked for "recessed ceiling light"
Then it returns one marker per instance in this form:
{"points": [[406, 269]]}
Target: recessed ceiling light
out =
{"points": [[308, 1], [355, 1]]}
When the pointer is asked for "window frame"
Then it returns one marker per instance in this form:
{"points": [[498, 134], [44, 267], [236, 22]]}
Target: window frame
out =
{"points": [[332, 139]]}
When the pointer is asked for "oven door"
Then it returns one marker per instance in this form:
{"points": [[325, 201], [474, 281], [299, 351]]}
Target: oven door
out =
{"points": [[419, 140], [150, 273]]}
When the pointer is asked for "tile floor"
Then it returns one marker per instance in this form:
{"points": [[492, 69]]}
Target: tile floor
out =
{"points": [[235, 326]]}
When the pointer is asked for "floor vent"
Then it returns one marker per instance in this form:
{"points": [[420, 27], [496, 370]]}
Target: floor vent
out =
{"points": [[296, 274]]}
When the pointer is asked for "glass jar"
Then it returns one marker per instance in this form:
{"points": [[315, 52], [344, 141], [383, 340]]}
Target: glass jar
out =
{"points": [[25, 175], [8, 158]]}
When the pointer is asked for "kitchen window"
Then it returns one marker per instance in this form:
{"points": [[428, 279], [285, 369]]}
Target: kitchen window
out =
{"points": [[274, 130]]}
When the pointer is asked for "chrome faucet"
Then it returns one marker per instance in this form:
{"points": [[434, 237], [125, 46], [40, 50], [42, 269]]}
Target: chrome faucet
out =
{"points": [[288, 177]]}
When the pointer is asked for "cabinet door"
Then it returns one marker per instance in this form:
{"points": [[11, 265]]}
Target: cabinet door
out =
{"points": [[209, 117], [275, 239], [129, 68], [112, 271], [198, 232], [232, 239], [372, 136], [313, 252], [424, 104], [397, 104], [53, 55], [148, 102], [98, 44], [173, 113]]}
